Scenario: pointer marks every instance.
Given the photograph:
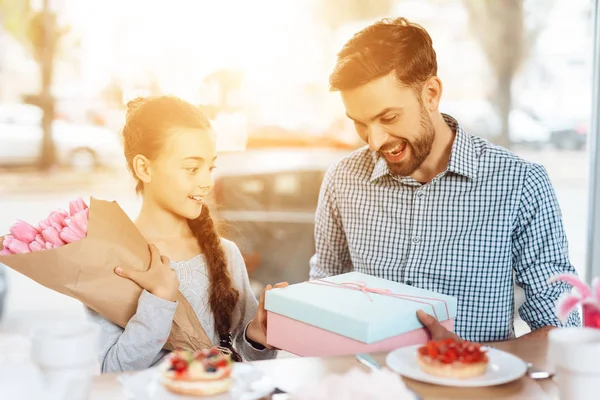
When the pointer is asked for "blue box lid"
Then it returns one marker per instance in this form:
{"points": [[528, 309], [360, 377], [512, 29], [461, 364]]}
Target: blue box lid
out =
{"points": [[368, 317]]}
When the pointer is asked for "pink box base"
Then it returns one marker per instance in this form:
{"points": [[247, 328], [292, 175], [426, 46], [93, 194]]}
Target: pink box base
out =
{"points": [[306, 340]]}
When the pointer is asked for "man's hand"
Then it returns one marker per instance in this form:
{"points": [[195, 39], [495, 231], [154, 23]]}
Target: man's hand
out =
{"points": [[436, 330]]}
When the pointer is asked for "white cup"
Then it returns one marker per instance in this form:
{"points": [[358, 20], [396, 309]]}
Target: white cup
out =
{"points": [[67, 354], [573, 354]]}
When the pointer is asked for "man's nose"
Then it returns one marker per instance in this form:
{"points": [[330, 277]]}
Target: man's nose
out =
{"points": [[377, 138]]}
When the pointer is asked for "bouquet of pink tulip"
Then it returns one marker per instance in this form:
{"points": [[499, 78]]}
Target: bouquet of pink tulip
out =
{"points": [[61, 227], [75, 253], [586, 296]]}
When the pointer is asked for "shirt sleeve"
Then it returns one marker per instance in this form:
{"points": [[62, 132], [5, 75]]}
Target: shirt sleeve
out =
{"points": [[540, 251], [140, 344], [332, 256]]}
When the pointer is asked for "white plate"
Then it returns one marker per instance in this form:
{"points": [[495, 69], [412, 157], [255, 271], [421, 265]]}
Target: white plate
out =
{"points": [[502, 368], [249, 384]]}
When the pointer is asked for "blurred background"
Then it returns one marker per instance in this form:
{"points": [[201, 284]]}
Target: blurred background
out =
{"points": [[518, 73]]}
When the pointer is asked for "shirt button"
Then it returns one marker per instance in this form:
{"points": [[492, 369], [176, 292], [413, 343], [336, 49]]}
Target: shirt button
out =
{"points": [[420, 194], [416, 239], [409, 282]]}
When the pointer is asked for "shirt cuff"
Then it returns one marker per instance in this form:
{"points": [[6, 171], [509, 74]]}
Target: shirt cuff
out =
{"points": [[252, 343]]}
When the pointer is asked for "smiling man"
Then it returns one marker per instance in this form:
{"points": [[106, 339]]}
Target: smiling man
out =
{"points": [[427, 204]]}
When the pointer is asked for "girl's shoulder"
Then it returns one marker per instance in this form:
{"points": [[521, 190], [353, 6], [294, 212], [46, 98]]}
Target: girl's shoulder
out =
{"points": [[228, 245], [235, 260], [232, 251]]}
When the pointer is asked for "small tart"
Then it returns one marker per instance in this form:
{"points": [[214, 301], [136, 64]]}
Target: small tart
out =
{"points": [[450, 358], [204, 373]]}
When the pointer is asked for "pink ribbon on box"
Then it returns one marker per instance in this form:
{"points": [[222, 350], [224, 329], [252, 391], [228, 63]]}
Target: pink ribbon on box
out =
{"points": [[362, 287]]}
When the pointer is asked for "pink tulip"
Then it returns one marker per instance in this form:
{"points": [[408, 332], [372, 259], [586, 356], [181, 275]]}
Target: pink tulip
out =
{"points": [[565, 304], [591, 317], [23, 231], [44, 224], [6, 252], [586, 296], [48, 245], [58, 217], [596, 287], [35, 246], [52, 236], [574, 281], [40, 239], [77, 205], [74, 228], [81, 219], [18, 247], [7, 240], [68, 235], [78, 224], [82, 204]]}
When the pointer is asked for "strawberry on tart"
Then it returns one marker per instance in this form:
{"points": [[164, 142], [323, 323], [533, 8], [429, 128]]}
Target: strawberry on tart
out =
{"points": [[203, 373], [450, 358]]}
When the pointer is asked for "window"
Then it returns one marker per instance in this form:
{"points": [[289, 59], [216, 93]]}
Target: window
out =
{"points": [[242, 193], [296, 191]]}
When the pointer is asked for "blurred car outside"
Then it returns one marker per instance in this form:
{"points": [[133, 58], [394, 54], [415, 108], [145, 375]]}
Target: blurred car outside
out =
{"points": [[566, 132], [78, 146], [479, 118], [266, 199]]}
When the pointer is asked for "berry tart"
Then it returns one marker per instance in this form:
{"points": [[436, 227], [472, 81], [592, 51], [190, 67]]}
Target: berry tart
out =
{"points": [[450, 358], [206, 372]]}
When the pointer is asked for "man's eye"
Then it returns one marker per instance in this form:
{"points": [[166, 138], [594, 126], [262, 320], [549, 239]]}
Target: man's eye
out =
{"points": [[389, 120]]}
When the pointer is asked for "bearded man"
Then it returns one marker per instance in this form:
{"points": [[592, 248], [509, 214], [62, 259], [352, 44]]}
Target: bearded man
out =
{"points": [[430, 205]]}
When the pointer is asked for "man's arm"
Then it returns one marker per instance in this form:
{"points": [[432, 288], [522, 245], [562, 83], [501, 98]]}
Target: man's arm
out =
{"points": [[540, 251], [540, 333], [332, 256], [438, 332]]}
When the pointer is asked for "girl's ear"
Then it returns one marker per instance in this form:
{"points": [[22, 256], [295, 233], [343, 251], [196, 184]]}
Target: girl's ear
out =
{"points": [[141, 168]]}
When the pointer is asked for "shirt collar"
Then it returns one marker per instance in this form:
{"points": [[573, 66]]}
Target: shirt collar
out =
{"points": [[463, 157], [381, 168]]}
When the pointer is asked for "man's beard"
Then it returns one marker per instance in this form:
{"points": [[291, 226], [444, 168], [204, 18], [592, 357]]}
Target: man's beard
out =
{"points": [[418, 149]]}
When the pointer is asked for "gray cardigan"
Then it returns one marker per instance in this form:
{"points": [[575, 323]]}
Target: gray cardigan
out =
{"points": [[140, 344]]}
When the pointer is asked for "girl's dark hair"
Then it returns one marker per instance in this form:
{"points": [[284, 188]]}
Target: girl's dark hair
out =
{"points": [[147, 125]]}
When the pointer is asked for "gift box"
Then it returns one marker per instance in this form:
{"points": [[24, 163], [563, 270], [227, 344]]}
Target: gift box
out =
{"points": [[351, 313]]}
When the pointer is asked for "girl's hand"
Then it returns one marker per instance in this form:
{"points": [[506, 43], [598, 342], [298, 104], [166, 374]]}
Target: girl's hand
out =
{"points": [[257, 329], [159, 279]]}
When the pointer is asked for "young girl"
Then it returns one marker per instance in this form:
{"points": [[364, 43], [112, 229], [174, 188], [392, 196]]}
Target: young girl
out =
{"points": [[171, 151]]}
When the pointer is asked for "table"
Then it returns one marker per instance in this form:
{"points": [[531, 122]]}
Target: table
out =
{"points": [[292, 373]]}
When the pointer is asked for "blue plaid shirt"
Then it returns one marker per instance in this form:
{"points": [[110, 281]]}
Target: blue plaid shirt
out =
{"points": [[489, 221]]}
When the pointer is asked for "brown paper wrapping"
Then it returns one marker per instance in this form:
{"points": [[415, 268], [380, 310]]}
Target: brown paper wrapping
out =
{"points": [[84, 270]]}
